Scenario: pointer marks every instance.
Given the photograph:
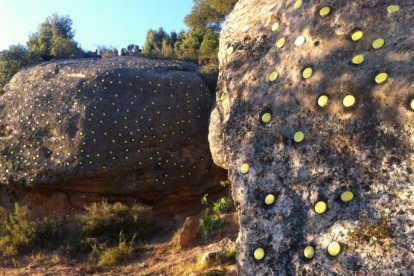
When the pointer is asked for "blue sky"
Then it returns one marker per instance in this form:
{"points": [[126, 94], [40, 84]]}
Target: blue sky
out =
{"points": [[97, 22]]}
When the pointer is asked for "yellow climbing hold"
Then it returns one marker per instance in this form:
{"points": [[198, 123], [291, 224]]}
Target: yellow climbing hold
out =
{"points": [[381, 78], [281, 42], [270, 199], [347, 196], [378, 43], [275, 26], [273, 76], [230, 50], [300, 40], [349, 101], [358, 59], [320, 207], [334, 248], [245, 168], [259, 253], [325, 11], [412, 104], [298, 4], [299, 136], [323, 101], [357, 35], [309, 252], [307, 73], [393, 8], [266, 117]]}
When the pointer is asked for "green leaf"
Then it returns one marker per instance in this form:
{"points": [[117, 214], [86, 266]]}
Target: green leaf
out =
{"points": [[204, 200]]}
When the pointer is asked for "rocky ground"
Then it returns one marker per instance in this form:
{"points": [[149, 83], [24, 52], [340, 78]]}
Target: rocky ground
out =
{"points": [[161, 256]]}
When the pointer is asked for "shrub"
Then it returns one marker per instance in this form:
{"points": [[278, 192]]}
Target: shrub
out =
{"points": [[118, 254], [19, 232], [105, 221]]}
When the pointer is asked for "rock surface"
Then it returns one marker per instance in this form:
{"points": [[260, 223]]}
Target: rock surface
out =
{"points": [[366, 148], [124, 128]]}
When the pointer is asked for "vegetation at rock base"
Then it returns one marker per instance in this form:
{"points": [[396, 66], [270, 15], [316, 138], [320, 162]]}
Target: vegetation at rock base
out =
{"points": [[215, 220], [105, 234]]}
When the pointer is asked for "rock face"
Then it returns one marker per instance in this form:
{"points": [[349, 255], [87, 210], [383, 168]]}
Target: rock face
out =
{"points": [[303, 148], [119, 128]]}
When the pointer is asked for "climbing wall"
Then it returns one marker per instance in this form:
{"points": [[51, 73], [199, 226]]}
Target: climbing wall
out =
{"points": [[117, 128], [314, 121]]}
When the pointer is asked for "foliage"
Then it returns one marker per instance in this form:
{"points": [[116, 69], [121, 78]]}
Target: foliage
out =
{"points": [[215, 220], [53, 39], [54, 33], [111, 256], [208, 13], [106, 221], [11, 61], [19, 232]]}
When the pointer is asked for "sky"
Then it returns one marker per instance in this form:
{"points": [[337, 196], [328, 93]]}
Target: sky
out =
{"points": [[96, 22]]}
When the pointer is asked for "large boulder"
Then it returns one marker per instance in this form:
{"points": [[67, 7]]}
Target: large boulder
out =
{"points": [[124, 128], [303, 148]]}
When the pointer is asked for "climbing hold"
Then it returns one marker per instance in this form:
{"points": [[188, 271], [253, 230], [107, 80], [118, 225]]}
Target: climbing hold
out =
{"points": [[393, 8], [334, 248], [299, 136], [230, 50], [358, 59], [381, 78], [378, 43], [275, 26], [273, 76], [325, 11], [323, 101], [307, 73], [320, 207], [259, 253], [281, 42], [300, 40], [412, 104], [245, 168], [347, 196], [309, 252], [270, 199], [357, 35], [266, 117], [298, 4], [349, 101]]}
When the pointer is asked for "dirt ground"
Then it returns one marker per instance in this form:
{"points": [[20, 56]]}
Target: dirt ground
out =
{"points": [[159, 257]]}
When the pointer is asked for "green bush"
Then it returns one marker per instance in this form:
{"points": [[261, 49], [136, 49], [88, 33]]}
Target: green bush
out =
{"points": [[105, 221], [19, 232]]}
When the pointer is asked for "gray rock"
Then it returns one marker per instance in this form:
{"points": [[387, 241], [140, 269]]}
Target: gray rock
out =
{"points": [[366, 148], [124, 128]]}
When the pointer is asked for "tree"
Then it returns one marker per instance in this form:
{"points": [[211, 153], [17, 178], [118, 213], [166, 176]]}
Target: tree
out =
{"points": [[210, 45], [54, 33], [208, 13], [11, 61]]}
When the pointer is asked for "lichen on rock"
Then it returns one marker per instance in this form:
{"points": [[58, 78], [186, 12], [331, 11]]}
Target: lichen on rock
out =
{"points": [[344, 79]]}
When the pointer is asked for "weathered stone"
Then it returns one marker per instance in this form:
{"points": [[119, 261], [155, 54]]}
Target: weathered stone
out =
{"points": [[124, 128], [366, 148], [189, 231]]}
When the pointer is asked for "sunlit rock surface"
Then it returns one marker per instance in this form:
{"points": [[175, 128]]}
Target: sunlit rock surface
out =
{"points": [[119, 128], [362, 143]]}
